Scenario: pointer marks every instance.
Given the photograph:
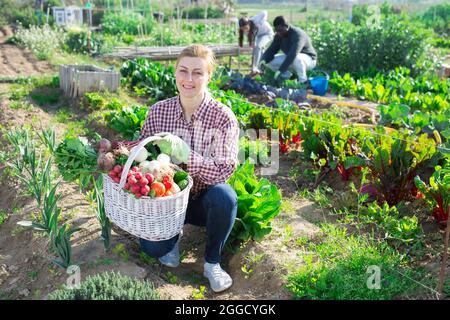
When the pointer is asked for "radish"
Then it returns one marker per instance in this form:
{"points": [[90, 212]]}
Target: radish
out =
{"points": [[112, 174], [135, 188], [132, 180], [127, 186], [143, 181], [145, 190], [118, 169], [138, 176], [116, 179], [149, 177]]}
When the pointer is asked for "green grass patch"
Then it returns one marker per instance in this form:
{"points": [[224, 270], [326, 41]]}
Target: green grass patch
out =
{"points": [[339, 267], [3, 216]]}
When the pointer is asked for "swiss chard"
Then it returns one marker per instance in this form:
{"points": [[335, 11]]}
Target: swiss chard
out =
{"points": [[259, 202], [437, 192]]}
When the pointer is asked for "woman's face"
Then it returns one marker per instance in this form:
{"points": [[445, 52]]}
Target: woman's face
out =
{"points": [[192, 76]]}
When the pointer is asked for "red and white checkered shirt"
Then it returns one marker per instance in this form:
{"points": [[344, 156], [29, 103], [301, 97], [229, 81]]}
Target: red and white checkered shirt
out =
{"points": [[212, 134]]}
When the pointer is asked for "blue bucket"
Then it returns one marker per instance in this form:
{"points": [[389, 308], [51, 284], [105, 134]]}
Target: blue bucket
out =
{"points": [[319, 83]]}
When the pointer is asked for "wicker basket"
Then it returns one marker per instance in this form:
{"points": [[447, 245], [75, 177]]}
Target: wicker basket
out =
{"points": [[153, 219]]}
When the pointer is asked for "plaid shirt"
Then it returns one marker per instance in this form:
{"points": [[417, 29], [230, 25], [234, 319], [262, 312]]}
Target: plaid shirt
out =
{"points": [[212, 135]]}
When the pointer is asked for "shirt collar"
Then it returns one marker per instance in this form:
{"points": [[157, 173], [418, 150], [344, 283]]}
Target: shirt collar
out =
{"points": [[200, 110]]}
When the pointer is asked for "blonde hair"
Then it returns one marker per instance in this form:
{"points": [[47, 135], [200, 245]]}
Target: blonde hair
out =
{"points": [[199, 51]]}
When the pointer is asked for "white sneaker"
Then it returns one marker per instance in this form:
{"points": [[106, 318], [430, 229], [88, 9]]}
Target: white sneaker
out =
{"points": [[172, 258], [219, 280]]}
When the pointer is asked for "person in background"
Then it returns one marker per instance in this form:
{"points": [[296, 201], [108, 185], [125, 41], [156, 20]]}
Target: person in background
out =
{"points": [[259, 34], [203, 134], [298, 54]]}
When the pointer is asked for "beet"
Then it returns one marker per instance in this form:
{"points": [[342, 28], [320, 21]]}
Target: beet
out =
{"points": [[106, 161], [104, 146]]}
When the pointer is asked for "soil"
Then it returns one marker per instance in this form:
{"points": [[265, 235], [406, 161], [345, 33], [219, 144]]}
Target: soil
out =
{"points": [[18, 62], [26, 271]]}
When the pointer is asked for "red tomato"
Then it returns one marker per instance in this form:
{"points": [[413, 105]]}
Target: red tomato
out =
{"points": [[159, 188], [167, 184]]}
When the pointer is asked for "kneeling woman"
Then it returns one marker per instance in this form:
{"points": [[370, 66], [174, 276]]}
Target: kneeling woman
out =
{"points": [[208, 132]]}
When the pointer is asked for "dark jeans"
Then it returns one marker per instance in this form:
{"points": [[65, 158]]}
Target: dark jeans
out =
{"points": [[214, 209]]}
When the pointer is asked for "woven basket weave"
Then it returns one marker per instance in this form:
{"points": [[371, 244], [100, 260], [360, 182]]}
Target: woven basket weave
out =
{"points": [[153, 219]]}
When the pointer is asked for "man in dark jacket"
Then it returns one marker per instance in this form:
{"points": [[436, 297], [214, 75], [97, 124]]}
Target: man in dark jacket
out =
{"points": [[298, 53]]}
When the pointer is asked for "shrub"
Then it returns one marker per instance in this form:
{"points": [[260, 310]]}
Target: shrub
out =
{"points": [[438, 18], [199, 13], [345, 47], [77, 41], [126, 23], [108, 286], [42, 41]]}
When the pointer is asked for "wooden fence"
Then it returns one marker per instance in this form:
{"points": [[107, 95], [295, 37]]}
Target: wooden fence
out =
{"points": [[75, 80]]}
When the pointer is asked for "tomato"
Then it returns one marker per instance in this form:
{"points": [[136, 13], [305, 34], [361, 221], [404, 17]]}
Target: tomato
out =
{"points": [[166, 179], [159, 188], [167, 184]]}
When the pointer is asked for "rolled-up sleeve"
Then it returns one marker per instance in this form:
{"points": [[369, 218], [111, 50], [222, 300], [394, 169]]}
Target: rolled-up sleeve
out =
{"points": [[218, 167]]}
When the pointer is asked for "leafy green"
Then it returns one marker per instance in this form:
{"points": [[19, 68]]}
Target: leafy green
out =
{"points": [[259, 202]]}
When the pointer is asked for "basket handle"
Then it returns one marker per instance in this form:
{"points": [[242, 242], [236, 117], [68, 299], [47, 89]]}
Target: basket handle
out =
{"points": [[132, 156]]}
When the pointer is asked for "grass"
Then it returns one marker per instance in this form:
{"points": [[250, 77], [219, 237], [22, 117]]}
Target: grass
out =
{"points": [[3, 216], [338, 268]]}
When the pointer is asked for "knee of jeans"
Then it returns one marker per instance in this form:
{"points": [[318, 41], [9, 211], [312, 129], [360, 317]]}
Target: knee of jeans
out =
{"points": [[155, 249], [223, 196]]}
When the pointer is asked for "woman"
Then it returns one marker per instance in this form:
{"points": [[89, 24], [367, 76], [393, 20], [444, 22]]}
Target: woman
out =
{"points": [[204, 136], [259, 33]]}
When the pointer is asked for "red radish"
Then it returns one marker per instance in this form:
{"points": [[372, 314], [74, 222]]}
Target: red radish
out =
{"points": [[138, 176], [118, 168], [135, 169], [112, 174], [116, 179], [135, 188], [130, 173], [145, 190], [127, 186], [149, 177], [143, 181], [138, 195], [132, 180]]}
